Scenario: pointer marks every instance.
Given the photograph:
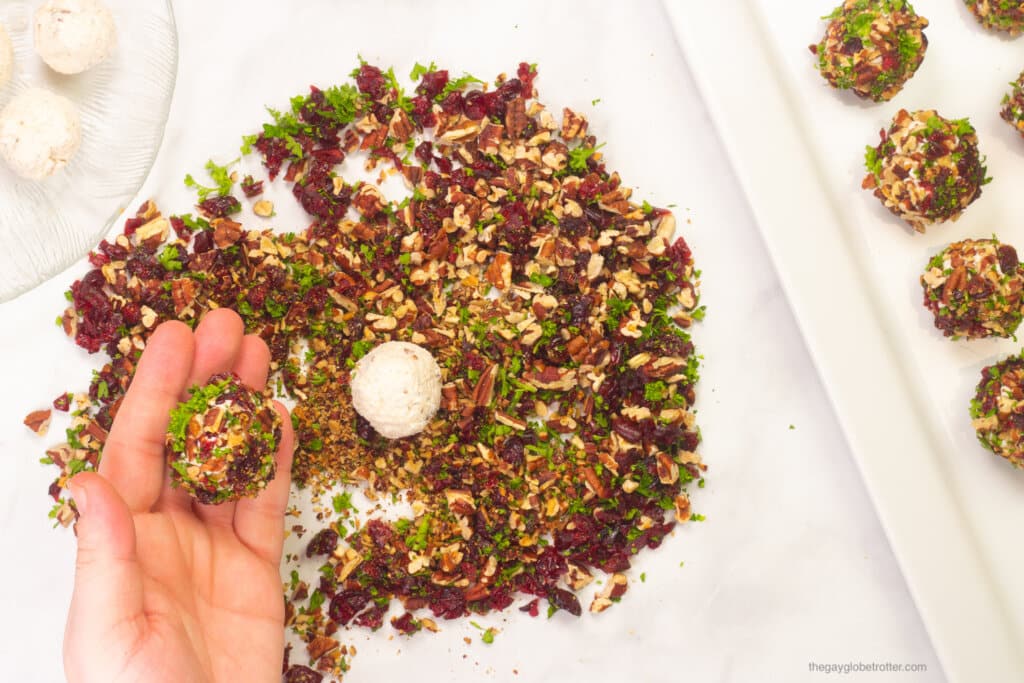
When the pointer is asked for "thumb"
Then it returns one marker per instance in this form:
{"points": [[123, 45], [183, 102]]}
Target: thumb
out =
{"points": [[106, 606]]}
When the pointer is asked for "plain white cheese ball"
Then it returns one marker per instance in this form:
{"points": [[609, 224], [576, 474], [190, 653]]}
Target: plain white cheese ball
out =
{"points": [[6, 57], [74, 35], [396, 387], [39, 133]]}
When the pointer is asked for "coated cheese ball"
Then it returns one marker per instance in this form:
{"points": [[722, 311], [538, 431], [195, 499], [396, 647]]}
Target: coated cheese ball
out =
{"points": [[39, 133], [975, 289], [221, 441], [72, 36], [997, 410], [872, 47], [396, 387], [6, 57], [998, 15], [1013, 105], [926, 169]]}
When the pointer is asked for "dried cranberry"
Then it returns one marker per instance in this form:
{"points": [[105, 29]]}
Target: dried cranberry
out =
{"points": [[550, 565], [433, 83], [220, 206], [447, 602], [563, 599], [364, 430], [302, 674], [453, 103], [425, 152], [372, 618], [380, 533], [203, 242], [347, 604], [513, 451], [370, 80], [476, 106], [1008, 261], [324, 543], [499, 599], [62, 403], [144, 266], [531, 607], [251, 187], [131, 314], [275, 152], [526, 75], [133, 224], [422, 112], [180, 229], [406, 624]]}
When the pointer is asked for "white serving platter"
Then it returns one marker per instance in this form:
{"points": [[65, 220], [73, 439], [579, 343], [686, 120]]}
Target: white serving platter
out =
{"points": [[850, 271]]}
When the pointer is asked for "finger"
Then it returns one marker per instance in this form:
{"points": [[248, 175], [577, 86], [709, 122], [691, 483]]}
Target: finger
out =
{"points": [[107, 601], [253, 362], [218, 345], [218, 341], [133, 456], [259, 522]]}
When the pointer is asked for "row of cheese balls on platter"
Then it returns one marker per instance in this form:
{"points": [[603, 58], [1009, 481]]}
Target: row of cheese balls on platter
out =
{"points": [[927, 169]]}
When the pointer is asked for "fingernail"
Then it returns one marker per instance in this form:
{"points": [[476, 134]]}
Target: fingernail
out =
{"points": [[77, 496]]}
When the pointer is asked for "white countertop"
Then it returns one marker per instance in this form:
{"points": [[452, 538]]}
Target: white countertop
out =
{"points": [[791, 566]]}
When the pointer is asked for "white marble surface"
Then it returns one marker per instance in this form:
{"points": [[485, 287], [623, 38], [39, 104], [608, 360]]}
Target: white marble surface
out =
{"points": [[791, 565]]}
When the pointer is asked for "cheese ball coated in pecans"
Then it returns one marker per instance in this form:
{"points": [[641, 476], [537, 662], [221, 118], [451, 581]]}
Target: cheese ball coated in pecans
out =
{"points": [[221, 441], [927, 169], [997, 410], [998, 15], [1013, 105], [872, 47], [974, 289]]}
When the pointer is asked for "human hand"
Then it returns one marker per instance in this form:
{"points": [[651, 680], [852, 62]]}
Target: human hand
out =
{"points": [[167, 589]]}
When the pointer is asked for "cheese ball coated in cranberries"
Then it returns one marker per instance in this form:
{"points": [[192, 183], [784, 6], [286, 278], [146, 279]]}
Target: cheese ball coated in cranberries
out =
{"points": [[221, 441]]}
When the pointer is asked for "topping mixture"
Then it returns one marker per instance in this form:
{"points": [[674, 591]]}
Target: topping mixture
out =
{"points": [[555, 306]]}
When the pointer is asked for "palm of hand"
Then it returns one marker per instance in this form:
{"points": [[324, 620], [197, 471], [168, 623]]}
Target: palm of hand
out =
{"points": [[207, 613], [167, 589]]}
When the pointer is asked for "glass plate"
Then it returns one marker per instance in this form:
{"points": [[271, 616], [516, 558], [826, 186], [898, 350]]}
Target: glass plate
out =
{"points": [[46, 226]]}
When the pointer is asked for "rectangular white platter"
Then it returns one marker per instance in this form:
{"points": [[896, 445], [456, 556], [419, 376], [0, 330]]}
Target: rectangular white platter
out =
{"points": [[850, 270]]}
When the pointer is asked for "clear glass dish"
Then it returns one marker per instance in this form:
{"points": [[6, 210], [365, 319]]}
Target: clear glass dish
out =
{"points": [[47, 225]]}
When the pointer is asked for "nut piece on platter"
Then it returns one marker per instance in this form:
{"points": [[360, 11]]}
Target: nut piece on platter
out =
{"points": [[872, 47], [221, 441], [974, 289], [927, 169], [998, 15], [997, 410]]}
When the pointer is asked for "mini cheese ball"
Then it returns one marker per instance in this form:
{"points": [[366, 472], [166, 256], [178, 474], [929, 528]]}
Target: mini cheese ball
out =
{"points": [[72, 36], [396, 387], [221, 441], [1013, 105], [6, 57], [998, 15], [975, 289], [40, 132], [872, 47], [927, 169], [997, 410]]}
